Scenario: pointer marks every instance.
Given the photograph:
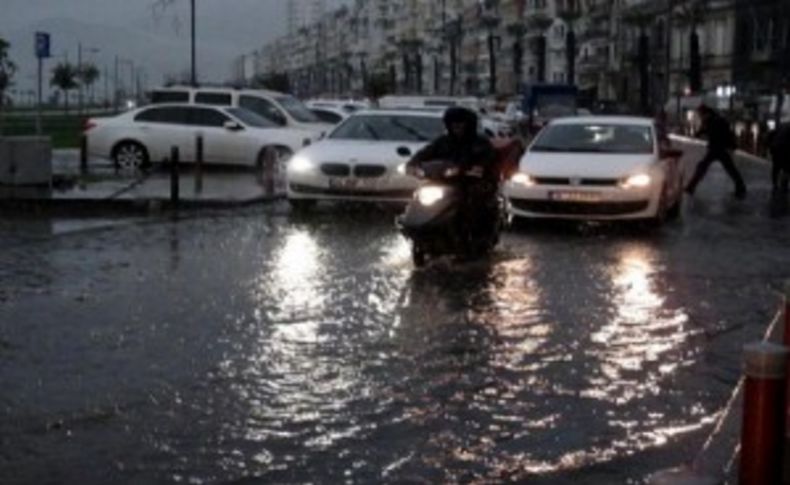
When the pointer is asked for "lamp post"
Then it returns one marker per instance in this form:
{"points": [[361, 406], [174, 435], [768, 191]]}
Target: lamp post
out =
{"points": [[193, 75], [81, 72]]}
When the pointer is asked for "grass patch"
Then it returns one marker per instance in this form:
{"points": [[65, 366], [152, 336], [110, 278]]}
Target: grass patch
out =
{"points": [[64, 129]]}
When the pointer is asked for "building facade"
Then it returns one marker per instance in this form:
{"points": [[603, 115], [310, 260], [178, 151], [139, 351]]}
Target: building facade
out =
{"points": [[642, 54]]}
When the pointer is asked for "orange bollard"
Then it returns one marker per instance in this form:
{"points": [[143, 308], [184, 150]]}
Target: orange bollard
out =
{"points": [[762, 435]]}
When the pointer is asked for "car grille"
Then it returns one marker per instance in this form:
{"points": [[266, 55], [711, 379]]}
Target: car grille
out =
{"points": [[369, 171], [336, 169], [580, 208], [576, 182], [404, 194]]}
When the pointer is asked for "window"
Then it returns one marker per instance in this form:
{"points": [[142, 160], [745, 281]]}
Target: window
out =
{"points": [[159, 97], [389, 128], [220, 99], [168, 115], [328, 116], [206, 117], [263, 107], [251, 119], [595, 138]]}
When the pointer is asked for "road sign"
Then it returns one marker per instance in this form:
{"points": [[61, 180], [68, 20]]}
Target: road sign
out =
{"points": [[42, 45]]}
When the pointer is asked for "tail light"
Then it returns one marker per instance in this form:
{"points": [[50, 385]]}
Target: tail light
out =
{"points": [[88, 125]]}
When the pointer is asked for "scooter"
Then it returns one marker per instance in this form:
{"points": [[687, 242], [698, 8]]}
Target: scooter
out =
{"points": [[434, 218]]}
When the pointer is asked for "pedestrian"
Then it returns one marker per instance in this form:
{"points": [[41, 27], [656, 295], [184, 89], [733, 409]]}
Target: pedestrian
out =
{"points": [[721, 144], [780, 157]]}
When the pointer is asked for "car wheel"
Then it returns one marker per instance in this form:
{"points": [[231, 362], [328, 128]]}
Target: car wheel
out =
{"points": [[130, 155], [301, 205]]}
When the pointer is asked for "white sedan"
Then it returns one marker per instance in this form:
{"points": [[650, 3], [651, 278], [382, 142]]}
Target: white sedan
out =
{"points": [[598, 168], [363, 159], [231, 135]]}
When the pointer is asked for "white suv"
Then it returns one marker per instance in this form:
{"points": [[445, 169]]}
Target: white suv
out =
{"points": [[281, 109]]}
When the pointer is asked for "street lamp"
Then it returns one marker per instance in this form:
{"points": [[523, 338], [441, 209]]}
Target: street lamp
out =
{"points": [[81, 72], [193, 75]]}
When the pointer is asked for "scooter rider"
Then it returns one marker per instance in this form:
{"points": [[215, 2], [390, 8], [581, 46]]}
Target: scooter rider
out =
{"points": [[475, 156], [461, 144]]}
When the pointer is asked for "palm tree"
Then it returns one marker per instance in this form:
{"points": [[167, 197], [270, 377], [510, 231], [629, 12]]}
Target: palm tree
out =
{"points": [[64, 77], [7, 70], [87, 75]]}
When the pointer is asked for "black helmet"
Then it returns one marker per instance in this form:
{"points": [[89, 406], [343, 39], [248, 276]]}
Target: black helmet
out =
{"points": [[457, 114]]}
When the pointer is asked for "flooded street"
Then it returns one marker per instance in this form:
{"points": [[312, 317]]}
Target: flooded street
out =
{"points": [[252, 346]]}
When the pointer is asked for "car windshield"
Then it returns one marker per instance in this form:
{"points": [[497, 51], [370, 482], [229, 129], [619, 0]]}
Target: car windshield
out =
{"points": [[389, 128], [298, 110], [595, 138], [251, 119]]}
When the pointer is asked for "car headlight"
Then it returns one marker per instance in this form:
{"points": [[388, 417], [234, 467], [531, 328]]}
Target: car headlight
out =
{"points": [[638, 181], [430, 195], [521, 178], [300, 164], [402, 169]]}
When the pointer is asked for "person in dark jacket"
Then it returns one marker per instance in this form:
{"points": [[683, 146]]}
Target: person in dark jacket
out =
{"points": [[473, 154], [779, 147], [461, 145], [721, 143]]}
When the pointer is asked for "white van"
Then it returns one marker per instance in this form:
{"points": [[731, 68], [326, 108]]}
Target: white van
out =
{"points": [[280, 108]]}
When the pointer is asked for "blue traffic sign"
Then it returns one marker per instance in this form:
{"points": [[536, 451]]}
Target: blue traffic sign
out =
{"points": [[42, 45]]}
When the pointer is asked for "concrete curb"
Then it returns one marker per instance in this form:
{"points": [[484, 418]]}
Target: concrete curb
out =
{"points": [[717, 461], [116, 205]]}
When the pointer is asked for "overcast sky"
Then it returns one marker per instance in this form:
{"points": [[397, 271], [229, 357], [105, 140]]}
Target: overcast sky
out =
{"points": [[158, 45]]}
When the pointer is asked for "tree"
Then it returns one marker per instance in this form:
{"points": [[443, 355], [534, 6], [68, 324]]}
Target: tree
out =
{"points": [[379, 84], [7, 71], [87, 74], [276, 82], [64, 77]]}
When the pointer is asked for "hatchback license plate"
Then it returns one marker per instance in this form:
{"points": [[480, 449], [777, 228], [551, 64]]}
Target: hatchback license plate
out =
{"points": [[566, 196]]}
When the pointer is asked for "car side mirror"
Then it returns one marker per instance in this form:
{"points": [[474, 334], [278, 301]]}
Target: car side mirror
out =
{"points": [[233, 126], [404, 152], [670, 153]]}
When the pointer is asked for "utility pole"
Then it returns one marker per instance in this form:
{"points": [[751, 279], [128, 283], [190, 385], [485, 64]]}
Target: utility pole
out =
{"points": [[115, 84], [79, 78], [194, 71]]}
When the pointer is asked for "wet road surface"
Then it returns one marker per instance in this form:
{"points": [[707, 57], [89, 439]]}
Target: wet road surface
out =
{"points": [[255, 347]]}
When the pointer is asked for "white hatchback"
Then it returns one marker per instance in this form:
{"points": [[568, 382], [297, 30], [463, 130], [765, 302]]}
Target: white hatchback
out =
{"points": [[231, 136], [363, 159], [598, 168]]}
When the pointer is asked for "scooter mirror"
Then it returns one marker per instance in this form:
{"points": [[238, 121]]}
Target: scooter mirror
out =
{"points": [[404, 151]]}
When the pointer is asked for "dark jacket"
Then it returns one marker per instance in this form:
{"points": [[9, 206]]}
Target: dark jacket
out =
{"points": [[467, 151], [718, 132], [779, 142]]}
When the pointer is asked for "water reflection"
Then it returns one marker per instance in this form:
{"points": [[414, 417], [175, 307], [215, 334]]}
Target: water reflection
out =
{"points": [[640, 335]]}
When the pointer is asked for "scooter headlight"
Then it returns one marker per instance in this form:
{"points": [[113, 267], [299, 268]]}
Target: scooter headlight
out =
{"points": [[428, 196]]}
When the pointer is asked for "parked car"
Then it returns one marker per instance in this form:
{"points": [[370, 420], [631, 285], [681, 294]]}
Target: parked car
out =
{"points": [[231, 135], [281, 109], [598, 168], [330, 114], [363, 159]]}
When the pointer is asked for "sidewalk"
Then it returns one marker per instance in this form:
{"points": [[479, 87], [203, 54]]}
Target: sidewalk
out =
{"points": [[104, 187]]}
